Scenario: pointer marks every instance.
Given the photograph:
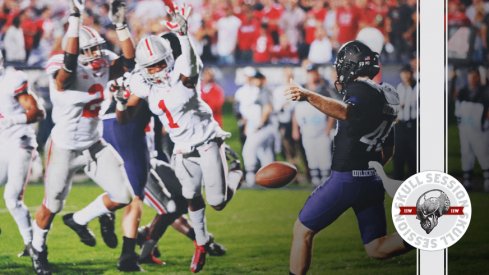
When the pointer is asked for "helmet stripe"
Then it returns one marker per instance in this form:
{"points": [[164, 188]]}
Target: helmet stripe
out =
{"points": [[149, 47], [89, 31]]}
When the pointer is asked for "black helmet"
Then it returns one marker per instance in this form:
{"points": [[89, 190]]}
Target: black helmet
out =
{"points": [[355, 59]]}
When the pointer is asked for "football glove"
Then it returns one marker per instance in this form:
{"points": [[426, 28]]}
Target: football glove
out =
{"points": [[120, 91], [179, 19], [117, 14], [77, 6]]}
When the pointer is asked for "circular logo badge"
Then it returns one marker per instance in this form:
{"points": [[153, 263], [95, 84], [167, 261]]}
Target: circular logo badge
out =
{"points": [[431, 210]]}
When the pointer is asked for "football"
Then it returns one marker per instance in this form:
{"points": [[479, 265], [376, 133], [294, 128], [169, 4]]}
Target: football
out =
{"points": [[276, 174]]}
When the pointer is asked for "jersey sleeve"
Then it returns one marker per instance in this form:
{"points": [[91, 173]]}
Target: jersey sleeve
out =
{"points": [[264, 98], [137, 85], [54, 64], [359, 101]]}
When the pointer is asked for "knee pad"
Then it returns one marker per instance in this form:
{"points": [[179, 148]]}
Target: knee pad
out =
{"points": [[216, 201], [12, 203], [54, 206], [123, 197]]}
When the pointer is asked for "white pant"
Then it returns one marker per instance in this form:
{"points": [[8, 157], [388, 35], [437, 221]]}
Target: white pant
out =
{"points": [[258, 148], [106, 169], [209, 167], [474, 143], [318, 151], [15, 164]]}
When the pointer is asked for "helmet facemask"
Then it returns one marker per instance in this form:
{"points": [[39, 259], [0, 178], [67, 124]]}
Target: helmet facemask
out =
{"points": [[157, 73]]}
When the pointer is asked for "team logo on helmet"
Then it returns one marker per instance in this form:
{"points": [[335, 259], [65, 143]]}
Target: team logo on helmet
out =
{"points": [[419, 204]]}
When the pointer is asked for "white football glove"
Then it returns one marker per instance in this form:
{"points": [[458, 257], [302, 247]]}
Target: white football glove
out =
{"points": [[179, 19], [117, 13], [77, 6], [120, 91]]}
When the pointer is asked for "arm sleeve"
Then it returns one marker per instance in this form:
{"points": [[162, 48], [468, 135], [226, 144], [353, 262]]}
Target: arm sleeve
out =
{"points": [[137, 86], [188, 63], [358, 102]]}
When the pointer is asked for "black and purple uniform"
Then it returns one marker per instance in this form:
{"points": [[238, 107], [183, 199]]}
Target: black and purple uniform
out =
{"points": [[359, 139]]}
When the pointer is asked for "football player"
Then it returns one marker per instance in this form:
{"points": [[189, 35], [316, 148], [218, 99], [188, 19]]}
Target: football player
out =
{"points": [[77, 81], [19, 108], [366, 116], [170, 88]]}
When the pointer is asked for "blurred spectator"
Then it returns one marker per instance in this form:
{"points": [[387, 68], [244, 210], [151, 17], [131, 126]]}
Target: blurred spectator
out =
{"points": [[32, 28], [247, 35], [321, 51], [401, 28], [271, 14], [263, 46], [227, 35], [258, 149], [212, 94], [242, 98], [204, 39], [405, 138], [456, 14], [284, 52], [472, 112], [347, 17], [291, 22], [14, 42], [315, 130], [314, 19], [477, 10]]}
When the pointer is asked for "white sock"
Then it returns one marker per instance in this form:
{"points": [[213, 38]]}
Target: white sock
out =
{"points": [[95, 209], [23, 219], [250, 179], [38, 237], [234, 177], [198, 222]]}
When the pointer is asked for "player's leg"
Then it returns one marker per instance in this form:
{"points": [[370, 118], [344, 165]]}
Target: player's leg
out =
{"points": [[322, 208], [250, 159], [481, 150], [370, 212], [467, 156], [219, 186], [313, 155], [189, 173], [266, 153], [18, 175], [61, 165]]}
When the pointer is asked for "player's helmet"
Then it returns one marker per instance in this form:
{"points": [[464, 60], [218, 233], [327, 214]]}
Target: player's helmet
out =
{"points": [[91, 45], [150, 51], [355, 59]]}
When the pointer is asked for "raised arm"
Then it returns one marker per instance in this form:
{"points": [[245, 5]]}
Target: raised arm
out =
{"points": [[327, 105], [125, 63], [72, 48]]}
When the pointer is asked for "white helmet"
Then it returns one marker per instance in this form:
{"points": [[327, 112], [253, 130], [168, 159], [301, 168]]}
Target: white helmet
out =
{"points": [[151, 50], [90, 45]]}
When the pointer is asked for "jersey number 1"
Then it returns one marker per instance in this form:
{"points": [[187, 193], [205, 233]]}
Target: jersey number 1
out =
{"points": [[171, 123]]}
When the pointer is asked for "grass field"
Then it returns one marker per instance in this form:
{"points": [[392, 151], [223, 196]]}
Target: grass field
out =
{"points": [[256, 228]]}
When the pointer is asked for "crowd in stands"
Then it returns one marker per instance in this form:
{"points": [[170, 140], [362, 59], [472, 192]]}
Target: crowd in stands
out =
{"points": [[224, 32]]}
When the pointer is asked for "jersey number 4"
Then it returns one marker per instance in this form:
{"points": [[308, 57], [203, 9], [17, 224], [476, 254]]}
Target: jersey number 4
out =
{"points": [[171, 122], [92, 108], [376, 138]]}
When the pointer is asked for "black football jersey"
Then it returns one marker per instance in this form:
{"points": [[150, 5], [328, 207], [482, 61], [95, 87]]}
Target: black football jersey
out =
{"points": [[368, 128]]}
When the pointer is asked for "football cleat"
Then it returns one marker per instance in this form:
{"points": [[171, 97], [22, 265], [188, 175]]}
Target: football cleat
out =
{"points": [[40, 261], [198, 259], [86, 235], [215, 249], [25, 252], [143, 236], [129, 263], [107, 229], [147, 253]]}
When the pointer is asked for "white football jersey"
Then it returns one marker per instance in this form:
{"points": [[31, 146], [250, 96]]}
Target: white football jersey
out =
{"points": [[184, 115], [76, 109], [13, 82], [311, 121]]}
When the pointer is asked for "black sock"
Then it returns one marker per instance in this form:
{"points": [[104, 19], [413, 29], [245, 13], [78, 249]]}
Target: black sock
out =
{"points": [[160, 224], [191, 234], [128, 245]]}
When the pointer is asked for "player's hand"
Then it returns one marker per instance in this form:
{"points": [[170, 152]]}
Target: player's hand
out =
{"points": [[179, 19], [295, 92], [77, 6], [120, 91], [117, 13]]}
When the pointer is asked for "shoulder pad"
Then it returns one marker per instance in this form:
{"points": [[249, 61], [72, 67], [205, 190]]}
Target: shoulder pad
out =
{"points": [[390, 93], [54, 63]]}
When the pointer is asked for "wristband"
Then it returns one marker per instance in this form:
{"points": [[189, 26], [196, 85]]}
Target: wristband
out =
{"points": [[73, 26], [123, 33], [121, 107]]}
